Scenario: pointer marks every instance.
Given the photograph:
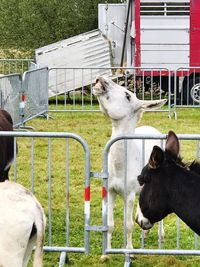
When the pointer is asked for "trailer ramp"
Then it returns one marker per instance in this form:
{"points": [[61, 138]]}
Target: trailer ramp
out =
{"points": [[87, 50]]}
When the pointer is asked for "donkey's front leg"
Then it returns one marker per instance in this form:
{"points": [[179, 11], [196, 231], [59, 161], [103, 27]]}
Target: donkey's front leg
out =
{"points": [[111, 203], [129, 223]]}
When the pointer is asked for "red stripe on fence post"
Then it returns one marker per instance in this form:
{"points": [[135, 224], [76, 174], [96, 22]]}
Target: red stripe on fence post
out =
{"points": [[23, 97], [87, 193], [104, 192]]}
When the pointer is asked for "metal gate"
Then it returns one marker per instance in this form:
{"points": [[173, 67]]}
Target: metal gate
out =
{"points": [[187, 88], [25, 97], [141, 247], [72, 87], [56, 182], [10, 89], [12, 66], [37, 153], [34, 97]]}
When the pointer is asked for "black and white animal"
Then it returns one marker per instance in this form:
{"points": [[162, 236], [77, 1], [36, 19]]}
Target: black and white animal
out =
{"points": [[22, 226], [169, 186], [124, 109], [6, 145]]}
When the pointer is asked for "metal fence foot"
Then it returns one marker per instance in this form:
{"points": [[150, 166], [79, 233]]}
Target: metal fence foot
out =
{"points": [[24, 128], [175, 115], [128, 262], [46, 116], [49, 117], [63, 259]]}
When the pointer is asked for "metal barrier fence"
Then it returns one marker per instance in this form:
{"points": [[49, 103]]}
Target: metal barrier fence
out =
{"points": [[10, 66], [187, 88], [57, 186], [58, 169], [25, 97], [34, 93], [73, 86], [144, 247], [10, 89]]}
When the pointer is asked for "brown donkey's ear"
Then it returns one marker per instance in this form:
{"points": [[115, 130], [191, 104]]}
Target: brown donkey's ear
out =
{"points": [[156, 158], [172, 143]]}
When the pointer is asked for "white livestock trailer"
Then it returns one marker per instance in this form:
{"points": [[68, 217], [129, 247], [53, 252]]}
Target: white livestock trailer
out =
{"points": [[158, 34]]}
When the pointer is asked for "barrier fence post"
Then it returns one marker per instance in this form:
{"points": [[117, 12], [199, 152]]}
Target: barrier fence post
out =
{"points": [[22, 109]]}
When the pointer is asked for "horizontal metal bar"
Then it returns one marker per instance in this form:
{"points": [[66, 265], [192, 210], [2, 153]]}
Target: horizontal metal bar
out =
{"points": [[112, 68], [40, 134], [157, 110], [64, 249], [77, 137], [154, 251], [10, 75], [76, 110], [20, 60], [48, 135], [147, 137], [100, 175], [96, 228], [95, 174], [188, 106]]}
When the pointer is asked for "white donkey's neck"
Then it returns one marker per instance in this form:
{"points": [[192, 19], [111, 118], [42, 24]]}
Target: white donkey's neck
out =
{"points": [[125, 126]]}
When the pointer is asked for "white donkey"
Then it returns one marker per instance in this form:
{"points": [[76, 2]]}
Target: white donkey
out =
{"points": [[124, 109], [22, 225]]}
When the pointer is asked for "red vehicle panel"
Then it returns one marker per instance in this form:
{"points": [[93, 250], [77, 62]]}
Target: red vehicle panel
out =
{"points": [[137, 33], [194, 33]]}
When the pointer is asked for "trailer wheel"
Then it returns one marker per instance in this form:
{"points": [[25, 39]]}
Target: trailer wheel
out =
{"points": [[191, 91], [195, 93]]}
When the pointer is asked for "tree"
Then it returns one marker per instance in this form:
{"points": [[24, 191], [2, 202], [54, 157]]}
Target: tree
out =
{"points": [[35, 23]]}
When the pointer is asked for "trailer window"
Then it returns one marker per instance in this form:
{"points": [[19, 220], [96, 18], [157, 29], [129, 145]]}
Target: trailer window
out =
{"points": [[164, 8]]}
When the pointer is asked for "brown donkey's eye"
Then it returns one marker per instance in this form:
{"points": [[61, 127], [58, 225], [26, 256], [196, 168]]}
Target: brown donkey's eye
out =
{"points": [[140, 180]]}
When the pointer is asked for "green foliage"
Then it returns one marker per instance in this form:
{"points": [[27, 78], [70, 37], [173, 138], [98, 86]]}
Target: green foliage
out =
{"points": [[34, 23]]}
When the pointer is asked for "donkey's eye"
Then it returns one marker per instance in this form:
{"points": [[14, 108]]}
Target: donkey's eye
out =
{"points": [[128, 96], [140, 179]]}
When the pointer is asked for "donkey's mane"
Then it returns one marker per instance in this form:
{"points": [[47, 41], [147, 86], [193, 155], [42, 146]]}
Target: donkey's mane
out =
{"points": [[193, 166]]}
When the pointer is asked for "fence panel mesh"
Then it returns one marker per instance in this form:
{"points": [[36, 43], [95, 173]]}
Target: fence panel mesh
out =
{"points": [[10, 89]]}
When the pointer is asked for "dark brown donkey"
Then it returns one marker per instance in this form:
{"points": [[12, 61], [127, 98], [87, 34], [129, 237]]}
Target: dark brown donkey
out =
{"points": [[169, 185], [6, 145]]}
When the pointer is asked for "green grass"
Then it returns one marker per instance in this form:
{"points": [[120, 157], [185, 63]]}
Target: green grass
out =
{"points": [[95, 129]]}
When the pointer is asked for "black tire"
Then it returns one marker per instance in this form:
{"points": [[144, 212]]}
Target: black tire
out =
{"points": [[187, 87]]}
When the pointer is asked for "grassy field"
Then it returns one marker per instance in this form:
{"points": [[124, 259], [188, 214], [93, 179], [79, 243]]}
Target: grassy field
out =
{"points": [[95, 129]]}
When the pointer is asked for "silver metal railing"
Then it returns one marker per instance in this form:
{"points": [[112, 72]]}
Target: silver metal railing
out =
{"points": [[70, 89], [25, 97], [176, 248], [187, 88], [42, 179], [10, 66], [47, 180]]}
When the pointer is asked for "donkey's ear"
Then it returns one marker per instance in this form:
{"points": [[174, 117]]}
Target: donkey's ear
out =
{"points": [[156, 158], [153, 104], [172, 143]]}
